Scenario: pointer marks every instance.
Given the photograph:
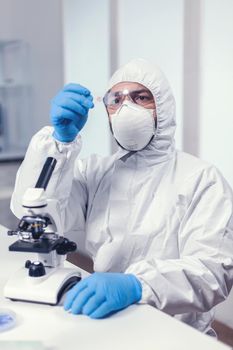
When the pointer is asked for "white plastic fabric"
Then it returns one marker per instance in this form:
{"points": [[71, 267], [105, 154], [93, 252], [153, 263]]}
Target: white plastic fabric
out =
{"points": [[160, 214]]}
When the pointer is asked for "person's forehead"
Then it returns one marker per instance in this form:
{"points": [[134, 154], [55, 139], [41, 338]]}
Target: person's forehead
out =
{"points": [[127, 85]]}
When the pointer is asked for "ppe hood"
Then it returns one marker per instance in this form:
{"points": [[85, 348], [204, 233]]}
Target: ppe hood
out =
{"points": [[140, 71]]}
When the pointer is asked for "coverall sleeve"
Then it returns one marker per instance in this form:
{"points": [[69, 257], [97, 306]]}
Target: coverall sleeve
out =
{"points": [[67, 183], [202, 276]]}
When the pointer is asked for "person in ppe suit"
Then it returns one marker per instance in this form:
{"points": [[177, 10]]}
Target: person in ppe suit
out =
{"points": [[157, 222]]}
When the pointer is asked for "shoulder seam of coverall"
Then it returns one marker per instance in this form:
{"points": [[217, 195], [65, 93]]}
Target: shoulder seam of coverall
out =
{"points": [[194, 201], [200, 171], [227, 229]]}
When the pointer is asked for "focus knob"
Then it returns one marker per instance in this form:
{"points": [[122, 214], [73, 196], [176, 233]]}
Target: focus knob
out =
{"points": [[27, 264], [36, 269], [66, 246]]}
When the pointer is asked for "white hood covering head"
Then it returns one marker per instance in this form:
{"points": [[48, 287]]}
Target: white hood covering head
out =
{"points": [[142, 72]]}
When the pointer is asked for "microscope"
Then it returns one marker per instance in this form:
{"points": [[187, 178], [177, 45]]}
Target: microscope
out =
{"points": [[44, 280]]}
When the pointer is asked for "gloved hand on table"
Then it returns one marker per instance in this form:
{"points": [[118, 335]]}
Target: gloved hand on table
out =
{"points": [[102, 293], [69, 111]]}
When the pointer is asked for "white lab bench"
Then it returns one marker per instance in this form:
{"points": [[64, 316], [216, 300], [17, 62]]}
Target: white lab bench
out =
{"points": [[137, 327]]}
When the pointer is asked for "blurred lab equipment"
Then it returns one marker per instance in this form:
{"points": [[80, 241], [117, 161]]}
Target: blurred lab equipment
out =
{"points": [[15, 98]]}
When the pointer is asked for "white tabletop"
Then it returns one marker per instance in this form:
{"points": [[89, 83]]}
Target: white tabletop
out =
{"points": [[137, 327]]}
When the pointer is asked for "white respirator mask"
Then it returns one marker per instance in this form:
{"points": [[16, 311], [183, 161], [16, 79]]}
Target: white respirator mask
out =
{"points": [[133, 126]]}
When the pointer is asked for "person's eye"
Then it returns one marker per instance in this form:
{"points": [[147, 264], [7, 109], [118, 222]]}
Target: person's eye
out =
{"points": [[116, 101], [143, 98]]}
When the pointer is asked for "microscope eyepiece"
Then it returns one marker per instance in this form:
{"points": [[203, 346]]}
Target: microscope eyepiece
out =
{"points": [[46, 173]]}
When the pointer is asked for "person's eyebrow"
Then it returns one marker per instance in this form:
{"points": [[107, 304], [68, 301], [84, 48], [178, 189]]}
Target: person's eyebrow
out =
{"points": [[142, 90], [138, 91], [117, 93]]}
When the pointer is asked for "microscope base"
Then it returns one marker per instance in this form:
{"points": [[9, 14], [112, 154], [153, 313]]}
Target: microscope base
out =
{"points": [[47, 289]]}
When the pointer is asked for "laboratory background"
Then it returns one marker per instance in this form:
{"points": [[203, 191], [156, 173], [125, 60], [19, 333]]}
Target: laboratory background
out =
{"points": [[46, 44]]}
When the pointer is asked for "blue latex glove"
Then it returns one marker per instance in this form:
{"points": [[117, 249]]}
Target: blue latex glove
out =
{"points": [[102, 293], [69, 111]]}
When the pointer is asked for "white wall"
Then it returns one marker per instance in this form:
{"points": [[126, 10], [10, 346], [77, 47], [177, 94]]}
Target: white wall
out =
{"points": [[216, 113], [216, 141], [86, 50], [38, 23], [153, 29]]}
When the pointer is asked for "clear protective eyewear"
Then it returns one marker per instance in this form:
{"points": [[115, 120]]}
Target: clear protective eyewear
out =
{"points": [[143, 97]]}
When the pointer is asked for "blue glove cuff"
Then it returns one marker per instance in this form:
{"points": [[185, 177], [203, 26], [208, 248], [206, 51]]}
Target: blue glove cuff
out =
{"points": [[137, 287], [65, 139]]}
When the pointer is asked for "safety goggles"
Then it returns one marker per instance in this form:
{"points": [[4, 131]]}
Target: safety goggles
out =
{"points": [[114, 99]]}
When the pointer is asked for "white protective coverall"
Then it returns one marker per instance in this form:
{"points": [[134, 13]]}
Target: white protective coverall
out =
{"points": [[158, 213]]}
